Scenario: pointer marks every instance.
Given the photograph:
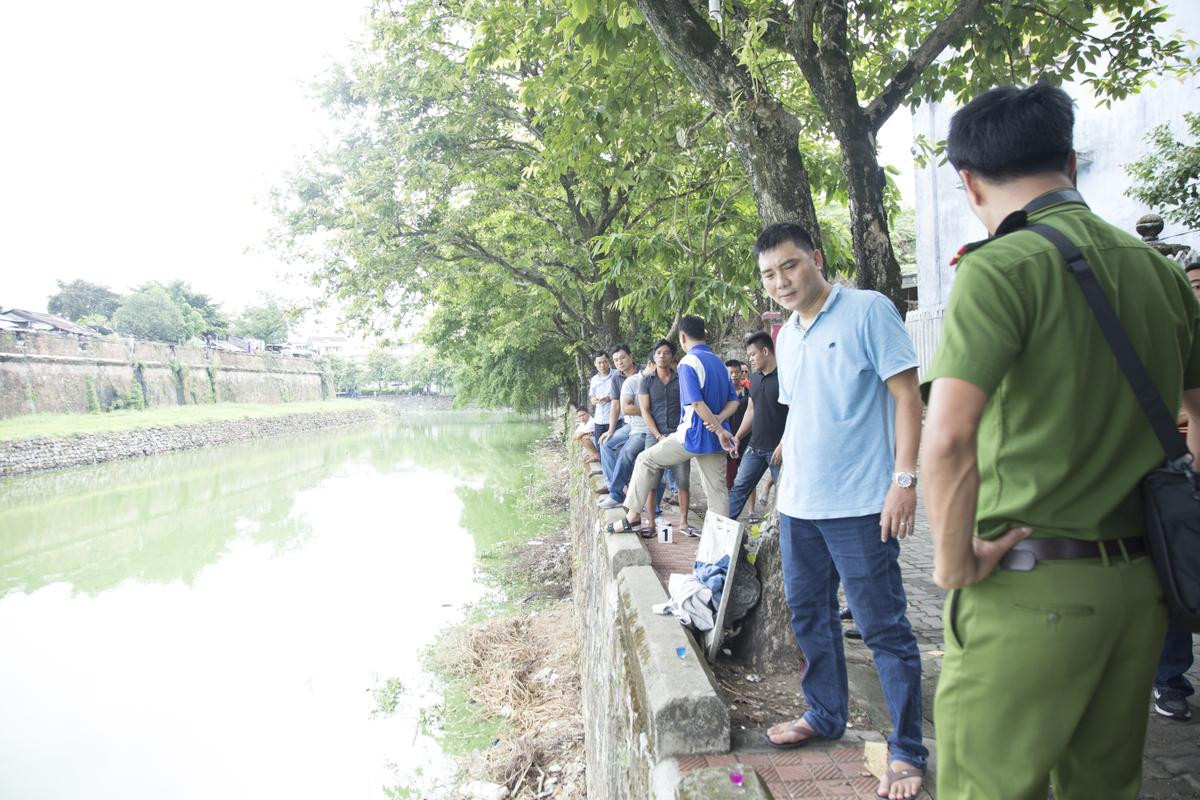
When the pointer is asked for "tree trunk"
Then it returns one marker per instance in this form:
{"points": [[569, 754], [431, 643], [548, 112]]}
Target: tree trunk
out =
{"points": [[874, 258], [764, 135], [766, 643]]}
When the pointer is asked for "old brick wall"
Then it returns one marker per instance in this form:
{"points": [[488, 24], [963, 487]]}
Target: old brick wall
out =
{"points": [[51, 373]]}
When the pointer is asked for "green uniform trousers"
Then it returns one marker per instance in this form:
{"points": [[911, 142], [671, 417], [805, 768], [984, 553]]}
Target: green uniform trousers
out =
{"points": [[1046, 677]]}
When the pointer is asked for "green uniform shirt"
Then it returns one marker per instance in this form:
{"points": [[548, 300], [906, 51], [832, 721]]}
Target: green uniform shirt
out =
{"points": [[1063, 442]]}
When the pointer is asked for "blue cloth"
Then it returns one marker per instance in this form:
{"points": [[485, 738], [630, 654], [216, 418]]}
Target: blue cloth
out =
{"points": [[840, 438], [702, 376], [815, 554], [755, 461], [1176, 659], [610, 451], [713, 575]]}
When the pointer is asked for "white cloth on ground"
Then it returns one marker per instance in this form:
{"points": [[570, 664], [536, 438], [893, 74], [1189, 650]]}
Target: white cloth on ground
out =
{"points": [[691, 602]]}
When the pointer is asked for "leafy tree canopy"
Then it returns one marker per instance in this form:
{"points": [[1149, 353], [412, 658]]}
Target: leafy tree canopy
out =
{"points": [[1167, 178], [81, 298], [268, 321], [547, 198], [150, 313], [782, 71]]}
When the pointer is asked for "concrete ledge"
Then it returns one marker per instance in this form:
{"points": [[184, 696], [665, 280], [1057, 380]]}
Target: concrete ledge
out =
{"points": [[713, 783], [678, 696], [624, 549]]}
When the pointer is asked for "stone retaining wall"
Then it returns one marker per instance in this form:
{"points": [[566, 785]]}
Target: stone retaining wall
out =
{"points": [[643, 705], [33, 455], [54, 373]]}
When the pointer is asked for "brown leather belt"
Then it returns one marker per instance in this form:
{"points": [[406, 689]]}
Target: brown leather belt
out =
{"points": [[1027, 553]]}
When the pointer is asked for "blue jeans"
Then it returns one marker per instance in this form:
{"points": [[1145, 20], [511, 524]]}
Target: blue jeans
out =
{"points": [[610, 450], [1175, 660], [755, 461], [635, 443], [815, 553]]}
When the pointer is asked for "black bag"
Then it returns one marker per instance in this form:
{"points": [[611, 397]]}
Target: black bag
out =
{"points": [[1170, 493]]}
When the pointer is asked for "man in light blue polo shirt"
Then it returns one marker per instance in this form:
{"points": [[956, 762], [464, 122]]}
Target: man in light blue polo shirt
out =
{"points": [[703, 434], [847, 372]]}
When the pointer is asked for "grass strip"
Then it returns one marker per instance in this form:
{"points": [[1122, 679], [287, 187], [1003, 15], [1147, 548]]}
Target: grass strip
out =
{"points": [[58, 425]]}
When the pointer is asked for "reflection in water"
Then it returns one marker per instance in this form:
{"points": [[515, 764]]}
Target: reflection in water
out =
{"points": [[212, 623]]}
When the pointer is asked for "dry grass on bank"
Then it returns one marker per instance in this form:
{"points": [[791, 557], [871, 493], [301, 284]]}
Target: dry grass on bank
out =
{"points": [[525, 669]]}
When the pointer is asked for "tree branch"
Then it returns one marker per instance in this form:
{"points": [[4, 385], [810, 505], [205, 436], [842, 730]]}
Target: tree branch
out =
{"points": [[946, 33]]}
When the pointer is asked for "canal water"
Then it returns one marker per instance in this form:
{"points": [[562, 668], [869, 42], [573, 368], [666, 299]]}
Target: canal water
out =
{"points": [[248, 621]]}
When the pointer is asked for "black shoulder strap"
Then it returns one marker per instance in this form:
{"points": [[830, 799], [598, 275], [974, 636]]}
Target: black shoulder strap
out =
{"points": [[1135, 372]]}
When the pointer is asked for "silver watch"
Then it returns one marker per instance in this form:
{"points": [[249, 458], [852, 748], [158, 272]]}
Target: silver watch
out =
{"points": [[905, 480]]}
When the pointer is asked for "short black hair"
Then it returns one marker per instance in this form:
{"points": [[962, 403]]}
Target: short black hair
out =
{"points": [[599, 354], [781, 233], [694, 328], [1009, 132], [617, 348], [733, 362], [761, 340], [670, 345]]}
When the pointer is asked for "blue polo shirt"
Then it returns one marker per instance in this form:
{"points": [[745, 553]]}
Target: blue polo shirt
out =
{"points": [[839, 444], [702, 376]]}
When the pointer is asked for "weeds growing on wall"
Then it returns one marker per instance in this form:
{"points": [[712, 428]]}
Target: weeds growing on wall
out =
{"points": [[212, 383], [93, 400]]}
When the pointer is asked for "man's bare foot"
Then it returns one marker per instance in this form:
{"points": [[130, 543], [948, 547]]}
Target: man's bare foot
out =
{"points": [[789, 735], [901, 781]]}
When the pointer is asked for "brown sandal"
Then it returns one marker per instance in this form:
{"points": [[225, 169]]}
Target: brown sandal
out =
{"points": [[890, 776]]}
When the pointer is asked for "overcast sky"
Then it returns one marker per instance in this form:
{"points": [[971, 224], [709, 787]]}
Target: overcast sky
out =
{"points": [[140, 138]]}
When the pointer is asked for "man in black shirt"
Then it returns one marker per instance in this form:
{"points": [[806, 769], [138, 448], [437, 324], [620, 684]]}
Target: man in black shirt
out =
{"points": [[763, 422]]}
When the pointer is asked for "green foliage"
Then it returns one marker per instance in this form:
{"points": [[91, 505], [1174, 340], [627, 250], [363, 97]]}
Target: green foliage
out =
{"points": [[79, 299], [426, 370], [268, 321], [94, 321], [212, 383], [93, 400], [134, 399], [205, 315], [548, 192], [1167, 178], [347, 375], [382, 367], [150, 313]]}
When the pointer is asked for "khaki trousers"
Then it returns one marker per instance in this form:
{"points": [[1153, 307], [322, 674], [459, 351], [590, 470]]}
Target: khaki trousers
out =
{"points": [[647, 471], [1046, 679]]}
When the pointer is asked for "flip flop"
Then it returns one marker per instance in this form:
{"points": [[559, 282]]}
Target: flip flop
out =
{"points": [[688, 530], [626, 526], [795, 726], [892, 775], [647, 532]]}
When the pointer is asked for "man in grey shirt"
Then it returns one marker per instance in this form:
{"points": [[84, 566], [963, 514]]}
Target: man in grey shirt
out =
{"points": [[633, 445]]}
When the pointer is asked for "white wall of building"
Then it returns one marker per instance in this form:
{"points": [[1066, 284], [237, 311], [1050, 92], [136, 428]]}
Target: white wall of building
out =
{"points": [[1107, 138]]}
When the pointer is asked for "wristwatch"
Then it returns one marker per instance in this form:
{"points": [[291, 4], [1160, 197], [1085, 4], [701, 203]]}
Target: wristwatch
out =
{"points": [[905, 480]]}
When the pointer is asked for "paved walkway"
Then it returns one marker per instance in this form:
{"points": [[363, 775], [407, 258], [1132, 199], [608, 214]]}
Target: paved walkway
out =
{"points": [[843, 769]]}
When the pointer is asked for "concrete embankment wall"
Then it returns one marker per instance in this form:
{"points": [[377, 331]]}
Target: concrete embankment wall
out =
{"points": [[644, 707], [33, 455], [52, 373]]}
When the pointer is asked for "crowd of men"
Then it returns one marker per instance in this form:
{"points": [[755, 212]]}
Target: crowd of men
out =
{"points": [[1056, 631]]}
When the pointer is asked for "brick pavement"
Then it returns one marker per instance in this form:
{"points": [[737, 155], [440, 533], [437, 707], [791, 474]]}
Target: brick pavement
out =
{"points": [[1172, 757]]}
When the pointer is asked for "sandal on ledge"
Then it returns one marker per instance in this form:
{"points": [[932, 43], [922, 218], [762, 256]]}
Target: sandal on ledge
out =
{"points": [[623, 526]]}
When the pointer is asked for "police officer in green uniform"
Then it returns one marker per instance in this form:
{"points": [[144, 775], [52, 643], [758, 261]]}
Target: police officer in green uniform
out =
{"points": [[1033, 450]]}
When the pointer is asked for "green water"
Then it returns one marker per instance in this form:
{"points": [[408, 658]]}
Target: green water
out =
{"points": [[226, 623]]}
